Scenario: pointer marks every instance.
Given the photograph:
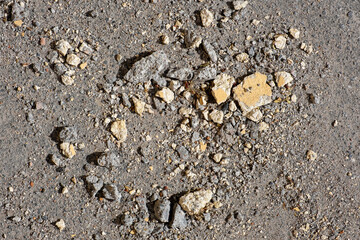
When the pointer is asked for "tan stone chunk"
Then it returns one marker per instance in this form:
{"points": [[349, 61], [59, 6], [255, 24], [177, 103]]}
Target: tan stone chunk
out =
{"points": [[217, 116], [119, 130], [194, 202], [222, 87], [280, 41], [67, 149], [138, 105], [207, 17], [166, 94], [283, 78]]}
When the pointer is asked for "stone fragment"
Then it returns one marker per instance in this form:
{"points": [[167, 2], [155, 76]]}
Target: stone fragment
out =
{"points": [[263, 126], [192, 41], [119, 130], [144, 69], [85, 48], [217, 116], [60, 224], [210, 51], [68, 134], [60, 68], [222, 87], [255, 115], [67, 149], [182, 74], [162, 210], [194, 202], [295, 33], [252, 92], [232, 106], [55, 160], [17, 10], [109, 159], [94, 184], [242, 57], [183, 152], [205, 74], [217, 157], [164, 39], [166, 94], [68, 78], [143, 228], [139, 106], [207, 17], [62, 47], [110, 192], [18, 23], [73, 60], [280, 41], [311, 155], [178, 220], [238, 5], [283, 78]]}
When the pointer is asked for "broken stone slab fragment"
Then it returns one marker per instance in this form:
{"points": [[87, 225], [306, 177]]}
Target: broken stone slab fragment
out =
{"points": [[280, 41], [85, 48], [146, 68], [139, 106], [94, 184], [162, 210], [207, 17], [210, 51], [166, 94], [222, 87], [283, 78], [205, 74], [62, 47], [68, 78], [110, 192], [194, 202], [255, 115], [119, 130], [67, 149], [183, 152], [239, 4], [191, 40], [109, 159], [252, 92], [182, 74], [178, 220], [217, 116], [73, 60]]}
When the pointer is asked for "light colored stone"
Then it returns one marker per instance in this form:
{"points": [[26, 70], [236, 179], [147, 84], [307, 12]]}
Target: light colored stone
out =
{"points": [[222, 87], [217, 116], [139, 106], [119, 130], [280, 41], [165, 39], [283, 78], [194, 202], [62, 47], [263, 126], [68, 78], [242, 57], [60, 224], [217, 157], [67, 149], [311, 155], [295, 33], [232, 106], [73, 60], [252, 92], [207, 17], [238, 5], [166, 94], [254, 115]]}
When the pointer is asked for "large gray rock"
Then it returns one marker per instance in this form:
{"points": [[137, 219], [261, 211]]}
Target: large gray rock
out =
{"points": [[148, 68]]}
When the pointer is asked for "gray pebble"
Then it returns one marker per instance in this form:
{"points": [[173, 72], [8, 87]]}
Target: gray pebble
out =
{"points": [[182, 74], [178, 220], [126, 220], [125, 100], [110, 192], [94, 184], [109, 159], [68, 134], [183, 152], [210, 51], [205, 74], [162, 210]]}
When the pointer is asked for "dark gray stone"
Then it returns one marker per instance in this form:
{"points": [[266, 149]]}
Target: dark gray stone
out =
{"points": [[94, 184], [126, 220], [162, 210], [183, 152], [110, 192], [68, 134], [179, 220]]}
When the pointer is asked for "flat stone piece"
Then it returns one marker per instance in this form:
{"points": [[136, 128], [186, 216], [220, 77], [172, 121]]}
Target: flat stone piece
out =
{"points": [[119, 130], [179, 219], [144, 69], [252, 92], [207, 17], [222, 87], [194, 202], [283, 78]]}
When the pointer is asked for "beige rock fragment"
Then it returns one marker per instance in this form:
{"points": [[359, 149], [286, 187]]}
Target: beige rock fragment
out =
{"points": [[217, 157], [60, 224], [311, 155], [252, 92], [238, 5], [263, 126], [73, 60], [62, 47], [166, 94], [139, 106], [119, 130], [283, 78], [242, 57], [67, 149], [232, 106], [222, 87], [194, 202], [165, 39], [207, 17], [255, 115], [68, 78], [217, 116], [280, 41], [295, 33]]}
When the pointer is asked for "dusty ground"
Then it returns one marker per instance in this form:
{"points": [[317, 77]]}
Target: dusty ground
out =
{"points": [[267, 189]]}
